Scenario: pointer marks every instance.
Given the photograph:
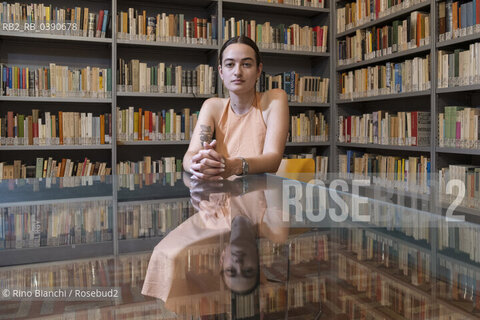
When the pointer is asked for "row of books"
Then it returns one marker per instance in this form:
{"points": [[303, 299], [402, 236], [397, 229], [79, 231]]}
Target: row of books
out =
{"points": [[73, 274], [49, 168], [62, 128], [136, 76], [164, 125], [300, 3], [459, 67], [55, 225], [55, 81], [381, 289], [273, 299], [152, 219], [139, 181], [374, 42], [280, 37], [305, 249], [409, 76], [147, 165], [458, 127], [308, 127], [381, 127], [459, 283], [458, 19], [166, 27], [306, 292], [42, 18], [410, 261], [459, 238], [391, 255], [404, 219], [359, 12], [411, 173], [468, 177], [321, 162], [298, 88]]}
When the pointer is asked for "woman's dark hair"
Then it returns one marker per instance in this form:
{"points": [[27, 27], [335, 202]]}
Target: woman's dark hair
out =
{"points": [[241, 39]]}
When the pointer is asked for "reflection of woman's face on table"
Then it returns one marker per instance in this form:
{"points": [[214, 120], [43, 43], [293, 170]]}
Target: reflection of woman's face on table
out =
{"points": [[239, 261]]}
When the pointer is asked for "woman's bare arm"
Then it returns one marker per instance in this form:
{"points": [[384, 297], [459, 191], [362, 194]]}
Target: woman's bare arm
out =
{"points": [[201, 158]]}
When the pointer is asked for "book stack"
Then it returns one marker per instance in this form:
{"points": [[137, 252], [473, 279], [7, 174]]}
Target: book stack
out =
{"points": [[152, 219], [465, 177], [280, 37], [459, 67], [49, 168], [308, 127], [46, 19], [147, 165], [381, 127], [136, 76], [173, 28], [374, 42], [164, 125], [55, 81], [56, 224], [412, 173], [300, 3], [459, 127], [357, 13], [458, 19], [62, 128], [408, 76]]}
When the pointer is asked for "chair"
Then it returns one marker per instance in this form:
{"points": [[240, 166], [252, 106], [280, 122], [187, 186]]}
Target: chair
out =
{"points": [[297, 169]]}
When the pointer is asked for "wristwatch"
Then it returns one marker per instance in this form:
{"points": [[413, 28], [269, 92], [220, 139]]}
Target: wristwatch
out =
{"points": [[244, 167]]}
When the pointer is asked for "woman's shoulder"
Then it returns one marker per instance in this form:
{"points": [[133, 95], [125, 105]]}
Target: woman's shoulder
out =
{"points": [[214, 104], [276, 98], [213, 107]]}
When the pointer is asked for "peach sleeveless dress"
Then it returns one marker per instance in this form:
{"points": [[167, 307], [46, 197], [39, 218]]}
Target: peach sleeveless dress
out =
{"points": [[167, 276], [241, 135]]}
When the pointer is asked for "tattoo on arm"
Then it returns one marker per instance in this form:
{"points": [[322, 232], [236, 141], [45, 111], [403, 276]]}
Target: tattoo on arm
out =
{"points": [[206, 134]]}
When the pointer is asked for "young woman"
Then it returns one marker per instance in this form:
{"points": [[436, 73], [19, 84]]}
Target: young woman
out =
{"points": [[250, 128]]}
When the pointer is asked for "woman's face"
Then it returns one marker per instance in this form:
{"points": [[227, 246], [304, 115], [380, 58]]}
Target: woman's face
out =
{"points": [[239, 260], [239, 69], [240, 266]]}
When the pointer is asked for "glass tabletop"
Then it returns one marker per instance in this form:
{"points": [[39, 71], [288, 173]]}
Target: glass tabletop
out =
{"points": [[255, 247]]}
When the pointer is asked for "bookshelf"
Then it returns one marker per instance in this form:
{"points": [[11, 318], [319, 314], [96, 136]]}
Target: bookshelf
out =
{"points": [[70, 47]]}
